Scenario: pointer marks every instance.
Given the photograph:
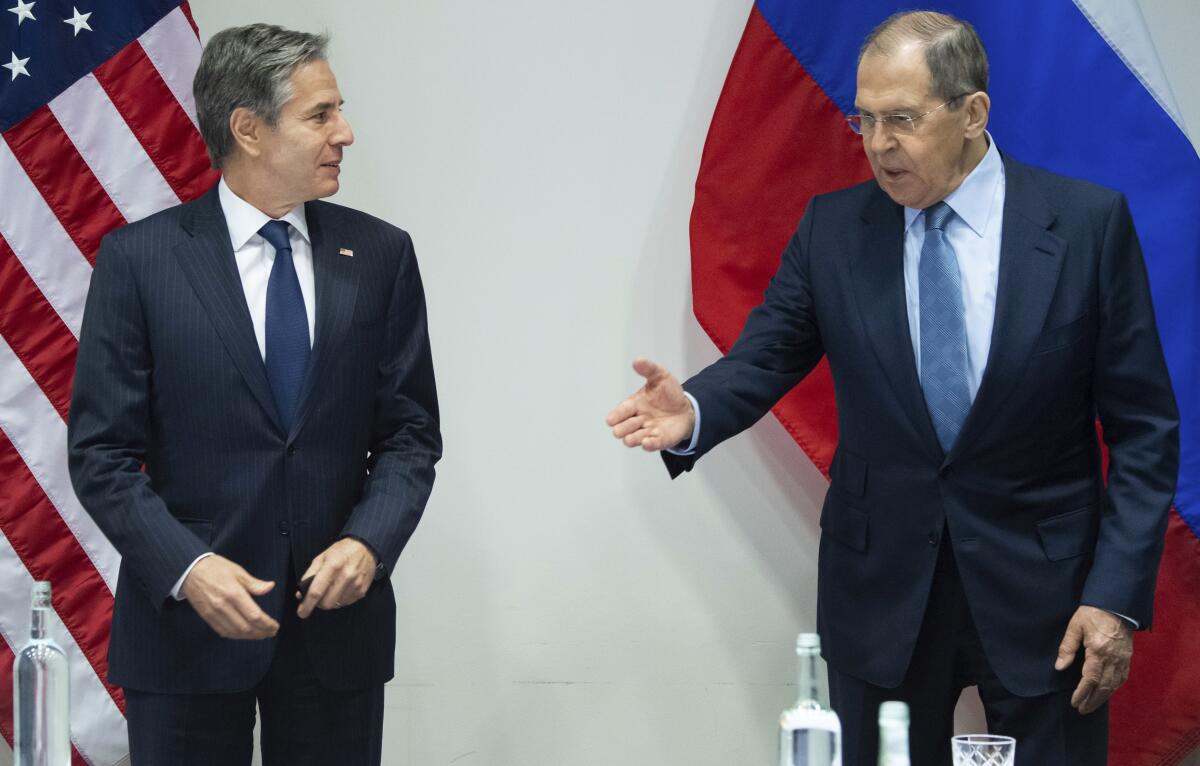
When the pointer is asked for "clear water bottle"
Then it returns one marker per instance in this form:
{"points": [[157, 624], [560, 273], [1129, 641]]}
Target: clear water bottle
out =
{"points": [[810, 734], [41, 732], [893, 734]]}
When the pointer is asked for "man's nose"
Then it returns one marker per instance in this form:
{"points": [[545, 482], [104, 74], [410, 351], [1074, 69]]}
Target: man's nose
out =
{"points": [[878, 140], [343, 134]]}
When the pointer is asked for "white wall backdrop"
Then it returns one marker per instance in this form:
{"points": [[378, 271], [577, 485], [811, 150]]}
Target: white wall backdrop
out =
{"points": [[563, 603]]}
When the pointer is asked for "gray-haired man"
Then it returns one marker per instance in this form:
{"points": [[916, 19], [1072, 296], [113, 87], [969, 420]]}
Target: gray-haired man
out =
{"points": [[254, 412]]}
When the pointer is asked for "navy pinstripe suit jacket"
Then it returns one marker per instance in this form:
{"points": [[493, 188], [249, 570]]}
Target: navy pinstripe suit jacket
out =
{"points": [[169, 377]]}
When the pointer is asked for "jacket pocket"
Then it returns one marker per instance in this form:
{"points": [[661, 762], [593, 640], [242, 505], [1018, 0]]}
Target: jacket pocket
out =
{"points": [[1069, 534], [1063, 335]]}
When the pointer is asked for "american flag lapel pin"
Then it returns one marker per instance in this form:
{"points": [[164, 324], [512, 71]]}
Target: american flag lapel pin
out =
{"points": [[346, 252]]}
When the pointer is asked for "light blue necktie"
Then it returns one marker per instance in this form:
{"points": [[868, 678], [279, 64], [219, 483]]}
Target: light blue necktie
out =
{"points": [[943, 329], [288, 347]]}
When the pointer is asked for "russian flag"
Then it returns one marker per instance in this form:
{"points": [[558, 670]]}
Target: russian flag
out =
{"points": [[1076, 88]]}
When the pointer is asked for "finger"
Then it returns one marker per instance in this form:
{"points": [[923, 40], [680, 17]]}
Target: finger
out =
{"points": [[1068, 648], [316, 591], [1089, 681], [628, 426], [622, 411], [1082, 692], [256, 586], [654, 441], [638, 437], [1104, 688], [336, 594], [652, 372], [259, 623]]}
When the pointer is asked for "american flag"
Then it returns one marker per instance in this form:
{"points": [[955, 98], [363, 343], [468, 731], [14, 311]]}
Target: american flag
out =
{"points": [[97, 128]]}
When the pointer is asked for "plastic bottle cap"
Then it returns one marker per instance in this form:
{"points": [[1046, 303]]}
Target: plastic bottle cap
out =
{"points": [[893, 712], [808, 641]]}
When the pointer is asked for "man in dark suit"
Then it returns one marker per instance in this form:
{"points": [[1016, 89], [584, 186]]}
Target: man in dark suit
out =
{"points": [[254, 410], [978, 315]]}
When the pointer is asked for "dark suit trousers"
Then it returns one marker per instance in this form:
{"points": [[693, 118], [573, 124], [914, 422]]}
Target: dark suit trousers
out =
{"points": [[949, 657], [302, 721]]}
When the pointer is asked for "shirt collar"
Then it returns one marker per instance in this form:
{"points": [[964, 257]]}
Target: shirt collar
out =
{"points": [[244, 220], [972, 200]]}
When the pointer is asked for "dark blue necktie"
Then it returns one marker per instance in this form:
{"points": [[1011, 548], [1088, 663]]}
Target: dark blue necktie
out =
{"points": [[287, 325], [943, 329]]}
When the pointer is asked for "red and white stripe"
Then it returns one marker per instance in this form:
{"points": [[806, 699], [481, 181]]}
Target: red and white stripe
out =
{"points": [[119, 144]]}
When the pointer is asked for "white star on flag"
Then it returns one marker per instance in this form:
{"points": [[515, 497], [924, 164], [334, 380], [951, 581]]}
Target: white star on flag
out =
{"points": [[23, 11], [17, 66], [79, 20]]}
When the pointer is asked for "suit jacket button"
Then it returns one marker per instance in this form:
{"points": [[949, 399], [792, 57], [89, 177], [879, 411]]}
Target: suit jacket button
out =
{"points": [[291, 451], [933, 539], [944, 471], [283, 528]]}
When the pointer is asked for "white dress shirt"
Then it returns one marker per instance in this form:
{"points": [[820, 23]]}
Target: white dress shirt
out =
{"points": [[254, 257]]}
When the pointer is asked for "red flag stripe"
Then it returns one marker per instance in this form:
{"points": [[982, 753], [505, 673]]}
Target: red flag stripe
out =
{"points": [[35, 332], [82, 206], [159, 122], [50, 552], [775, 140]]}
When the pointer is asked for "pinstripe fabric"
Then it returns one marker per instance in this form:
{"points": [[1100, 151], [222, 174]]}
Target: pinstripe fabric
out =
{"points": [[169, 375]]}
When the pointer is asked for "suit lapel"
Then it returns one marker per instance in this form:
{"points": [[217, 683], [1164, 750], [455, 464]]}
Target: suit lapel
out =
{"points": [[878, 279], [337, 291], [1031, 258], [207, 259]]}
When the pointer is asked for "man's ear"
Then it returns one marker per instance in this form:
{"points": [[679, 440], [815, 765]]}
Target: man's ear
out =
{"points": [[246, 128], [979, 106]]}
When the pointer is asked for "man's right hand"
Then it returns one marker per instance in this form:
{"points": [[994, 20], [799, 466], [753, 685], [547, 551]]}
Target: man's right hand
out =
{"points": [[221, 593], [658, 416]]}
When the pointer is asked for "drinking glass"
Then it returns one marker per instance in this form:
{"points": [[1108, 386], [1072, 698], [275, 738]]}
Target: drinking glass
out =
{"points": [[983, 750]]}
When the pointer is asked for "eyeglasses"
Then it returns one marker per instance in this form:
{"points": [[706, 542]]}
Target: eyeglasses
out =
{"points": [[904, 124]]}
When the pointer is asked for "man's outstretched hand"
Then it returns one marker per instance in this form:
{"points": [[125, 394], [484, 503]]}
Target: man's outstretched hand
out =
{"points": [[658, 416]]}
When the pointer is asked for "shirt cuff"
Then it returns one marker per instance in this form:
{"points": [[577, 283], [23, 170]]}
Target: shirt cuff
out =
{"points": [[175, 594], [1129, 620], [691, 445]]}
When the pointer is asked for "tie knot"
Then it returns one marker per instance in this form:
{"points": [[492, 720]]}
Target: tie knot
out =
{"points": [[276, 232], [937, 216]]}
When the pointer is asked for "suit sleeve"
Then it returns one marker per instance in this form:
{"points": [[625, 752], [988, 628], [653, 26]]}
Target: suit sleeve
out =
{"points": [[779, 344], [1140, 423], [406, 440], [108, 427]]}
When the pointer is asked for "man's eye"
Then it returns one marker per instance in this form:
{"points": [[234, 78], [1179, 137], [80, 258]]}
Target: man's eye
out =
{"points": [[321, 116]]}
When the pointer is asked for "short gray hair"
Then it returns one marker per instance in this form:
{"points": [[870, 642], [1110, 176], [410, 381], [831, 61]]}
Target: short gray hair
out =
{"points": [[249, 67], [957, 62]]}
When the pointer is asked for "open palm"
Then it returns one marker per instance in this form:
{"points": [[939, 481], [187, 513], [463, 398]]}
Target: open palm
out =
{"points": [[658, 416]]}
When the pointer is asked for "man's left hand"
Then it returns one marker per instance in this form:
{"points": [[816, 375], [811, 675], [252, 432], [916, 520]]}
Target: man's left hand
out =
{"points": [[341, 575], [1107, 641]]}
